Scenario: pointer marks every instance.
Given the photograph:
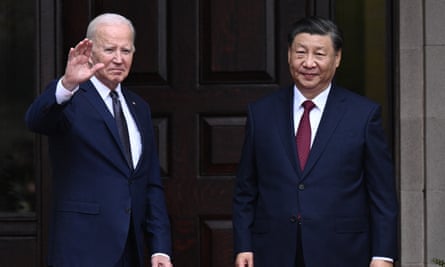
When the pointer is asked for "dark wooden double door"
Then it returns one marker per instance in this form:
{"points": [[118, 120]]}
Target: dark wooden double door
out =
{"points": [[198, 64]]}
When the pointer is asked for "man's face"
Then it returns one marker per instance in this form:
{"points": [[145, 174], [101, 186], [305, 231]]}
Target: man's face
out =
{"points": [[312, 62], [113, 46]]}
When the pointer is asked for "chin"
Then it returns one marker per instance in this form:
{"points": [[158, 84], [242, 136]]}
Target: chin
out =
{"points": [[117, 79]]}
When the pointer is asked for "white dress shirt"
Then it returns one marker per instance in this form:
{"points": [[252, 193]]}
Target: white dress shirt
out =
{"points": [[316, 112]]}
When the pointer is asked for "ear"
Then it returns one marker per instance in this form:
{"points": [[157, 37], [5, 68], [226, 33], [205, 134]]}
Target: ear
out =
{"points": [[338, 58], [289, 54]]}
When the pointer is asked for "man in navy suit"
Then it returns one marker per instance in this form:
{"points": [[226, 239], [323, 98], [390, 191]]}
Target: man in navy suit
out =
{"points": [[337, 207], [106, 203]]}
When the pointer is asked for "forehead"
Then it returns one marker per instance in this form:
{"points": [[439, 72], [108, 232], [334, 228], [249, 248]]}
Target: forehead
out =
{"points": [[313, 41], [114, 33]]}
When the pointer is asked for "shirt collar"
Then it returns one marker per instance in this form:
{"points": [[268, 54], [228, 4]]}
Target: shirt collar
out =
{"points": [[319, 100], [103, 90]]}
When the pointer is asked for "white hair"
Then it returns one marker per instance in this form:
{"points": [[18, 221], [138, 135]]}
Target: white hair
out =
{"points": [[108, 18]]}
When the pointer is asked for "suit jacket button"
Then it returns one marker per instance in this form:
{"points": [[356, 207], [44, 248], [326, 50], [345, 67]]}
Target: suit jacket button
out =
{"points": [[293, 219], [301, 186]]}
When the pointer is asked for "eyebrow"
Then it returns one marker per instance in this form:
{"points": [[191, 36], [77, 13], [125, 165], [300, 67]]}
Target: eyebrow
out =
{"points": [[299, 45]]}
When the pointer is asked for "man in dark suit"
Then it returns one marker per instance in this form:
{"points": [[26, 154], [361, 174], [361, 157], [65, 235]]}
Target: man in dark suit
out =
{"points": [[334, 205], [108, 197]]}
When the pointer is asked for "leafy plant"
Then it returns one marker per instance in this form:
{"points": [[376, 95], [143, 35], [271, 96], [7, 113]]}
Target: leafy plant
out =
{"points": [[438, 262]]}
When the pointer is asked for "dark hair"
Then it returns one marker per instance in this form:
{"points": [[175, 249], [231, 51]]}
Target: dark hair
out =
{"points": [[318, 26]]}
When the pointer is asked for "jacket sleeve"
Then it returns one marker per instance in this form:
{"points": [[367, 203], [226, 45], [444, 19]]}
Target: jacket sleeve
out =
{"points": [[380, 181], [44, 115], [245, 192]]}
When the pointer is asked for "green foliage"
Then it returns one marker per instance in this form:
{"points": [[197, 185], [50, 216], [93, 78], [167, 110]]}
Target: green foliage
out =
{"points": [[438, 262]]}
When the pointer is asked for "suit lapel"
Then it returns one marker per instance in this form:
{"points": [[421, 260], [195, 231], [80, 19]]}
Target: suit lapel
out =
{"points": [[332, 114], [285, 126], [97, 102], [133, 108]]}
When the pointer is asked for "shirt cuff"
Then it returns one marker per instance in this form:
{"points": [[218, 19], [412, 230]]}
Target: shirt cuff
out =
{"points": [[383, 259], [161, 254], [62, 94]]}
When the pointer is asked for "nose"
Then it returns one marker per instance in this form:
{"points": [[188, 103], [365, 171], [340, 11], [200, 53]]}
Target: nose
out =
{"points": [[309, 61], [117, 57]]}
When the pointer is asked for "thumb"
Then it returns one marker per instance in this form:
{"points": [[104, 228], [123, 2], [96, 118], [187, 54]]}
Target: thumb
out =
{"points": [[97, 67]]}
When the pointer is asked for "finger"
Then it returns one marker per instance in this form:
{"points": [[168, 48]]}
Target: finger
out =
{"points": [[97, 67], [75, 51], [71, 53], [83, 47], [88, 47]]}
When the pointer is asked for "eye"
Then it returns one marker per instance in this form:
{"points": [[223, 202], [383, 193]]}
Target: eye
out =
{"points": [[126, 51], [108, 50], [300, 53]]}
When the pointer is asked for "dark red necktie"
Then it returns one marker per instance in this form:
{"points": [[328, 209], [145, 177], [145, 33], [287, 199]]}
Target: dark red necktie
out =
{"points": [[303, 137]]}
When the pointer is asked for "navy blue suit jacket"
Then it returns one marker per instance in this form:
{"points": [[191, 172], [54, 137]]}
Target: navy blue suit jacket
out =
{"points": [[95, 192], [345, 196]]}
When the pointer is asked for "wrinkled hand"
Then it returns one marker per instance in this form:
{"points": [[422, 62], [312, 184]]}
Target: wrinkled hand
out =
{"points": [[160, 261], [380, 263], [244, 259], [79, 67]]}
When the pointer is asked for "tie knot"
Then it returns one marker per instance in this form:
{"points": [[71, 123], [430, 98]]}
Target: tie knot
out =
{"points": [[114, 95], [308, 105]]}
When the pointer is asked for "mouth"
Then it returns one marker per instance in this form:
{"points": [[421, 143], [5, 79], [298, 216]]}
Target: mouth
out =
{"points": [[309, 75], [116, 71]]}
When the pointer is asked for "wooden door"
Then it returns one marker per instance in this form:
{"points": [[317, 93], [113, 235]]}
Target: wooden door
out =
{"points": [[198, 64]]}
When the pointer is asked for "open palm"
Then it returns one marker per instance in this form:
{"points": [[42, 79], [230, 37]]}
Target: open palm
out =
{"points": [[79, 68]]}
